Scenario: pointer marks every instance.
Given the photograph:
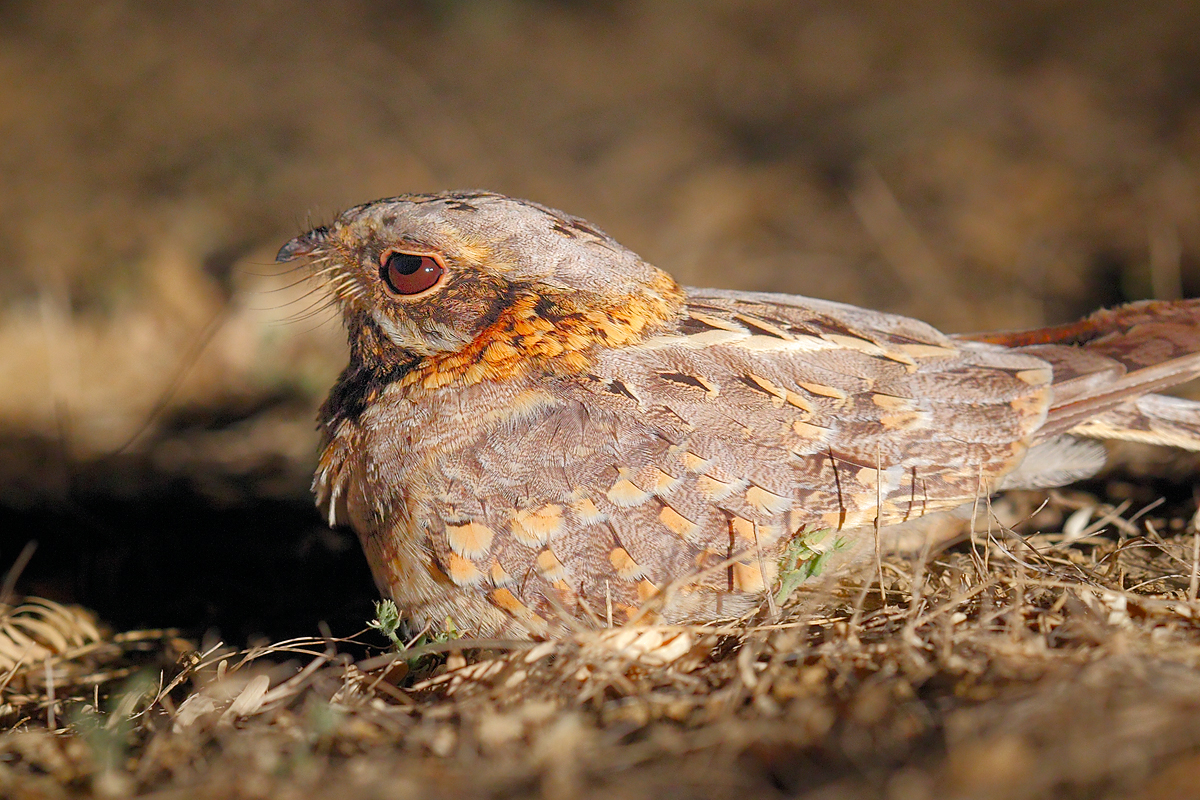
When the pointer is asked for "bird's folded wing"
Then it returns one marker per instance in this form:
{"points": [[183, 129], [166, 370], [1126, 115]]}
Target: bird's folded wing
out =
{"points": [[761, 418]]}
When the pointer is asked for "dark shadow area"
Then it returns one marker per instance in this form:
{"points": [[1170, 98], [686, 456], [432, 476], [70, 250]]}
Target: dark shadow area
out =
{"points": [[197, 550]]}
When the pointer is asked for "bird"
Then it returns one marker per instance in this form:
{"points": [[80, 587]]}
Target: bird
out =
{"points": [[538, 431]]}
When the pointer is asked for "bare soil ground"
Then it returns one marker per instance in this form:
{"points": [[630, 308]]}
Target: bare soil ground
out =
{"points": [[980, 165]]}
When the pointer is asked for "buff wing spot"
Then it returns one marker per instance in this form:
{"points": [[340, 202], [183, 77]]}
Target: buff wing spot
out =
{"points": [[1034, 377], [625, 492], [677, 523], [753, 577], [821, 390], [499, 576], [854, 343], [743, 529], [891, 403], [716, 322], [661, 483], [537, 526], [767, 502], [507, 601], [646, 590], [806, 430], [716, 490], [585, 509], [777, 395], [550, 568], [766, 328], [905, 421], [462, 571], [867, 476], [624, 564], [799, 402], [752, 534], [471, 540]]}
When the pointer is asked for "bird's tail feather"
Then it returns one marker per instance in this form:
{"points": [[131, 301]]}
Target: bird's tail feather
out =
{"points": [[1152, 418], [1107, 365]]}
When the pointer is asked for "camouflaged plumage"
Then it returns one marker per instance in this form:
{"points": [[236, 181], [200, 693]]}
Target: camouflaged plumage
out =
{"points": [[556, 429]]}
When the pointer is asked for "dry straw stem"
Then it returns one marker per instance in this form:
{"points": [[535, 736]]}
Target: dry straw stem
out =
{"points": [[1069, 662], [46, 647]]}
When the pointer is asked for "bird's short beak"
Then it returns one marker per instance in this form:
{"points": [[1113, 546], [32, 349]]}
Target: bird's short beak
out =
{"points": [[304, 245]]}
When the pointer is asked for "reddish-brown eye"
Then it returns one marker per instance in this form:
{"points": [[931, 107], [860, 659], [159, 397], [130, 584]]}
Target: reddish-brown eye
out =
{"points": [[410, 273]]}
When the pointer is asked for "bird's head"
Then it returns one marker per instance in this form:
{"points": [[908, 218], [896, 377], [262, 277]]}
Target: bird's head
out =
{"points": [[440, 277]]}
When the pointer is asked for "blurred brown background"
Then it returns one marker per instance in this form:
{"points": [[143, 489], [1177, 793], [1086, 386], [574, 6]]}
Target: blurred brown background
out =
{"points": [[977, 164]]}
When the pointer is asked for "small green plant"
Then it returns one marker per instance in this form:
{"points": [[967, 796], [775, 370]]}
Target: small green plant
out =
{"points": [[387, 622], [805, 557]]}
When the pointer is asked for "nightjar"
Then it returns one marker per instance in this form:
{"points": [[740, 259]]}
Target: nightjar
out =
{"points": [[537, 429]]}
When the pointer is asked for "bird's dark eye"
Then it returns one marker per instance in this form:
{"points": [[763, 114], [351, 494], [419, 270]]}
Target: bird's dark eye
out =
{"points": [[410, 273]]}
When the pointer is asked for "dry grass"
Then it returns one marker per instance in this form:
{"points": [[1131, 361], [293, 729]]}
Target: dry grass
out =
{"points": [[1015, 665]]}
